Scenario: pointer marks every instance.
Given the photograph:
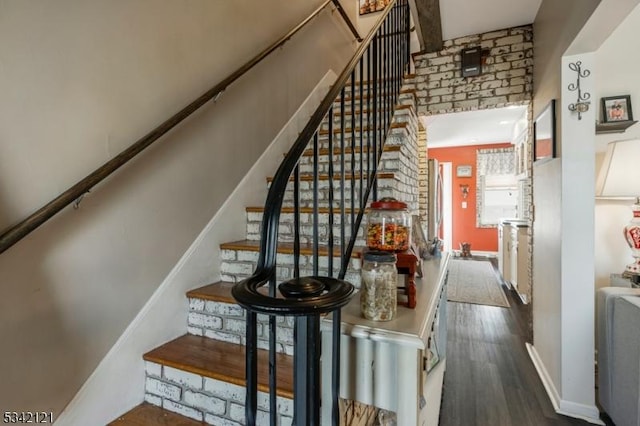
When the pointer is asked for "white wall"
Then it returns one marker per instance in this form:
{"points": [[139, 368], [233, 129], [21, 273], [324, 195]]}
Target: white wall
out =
{"points": [[80, 82], [563, 312], [620, 78]]}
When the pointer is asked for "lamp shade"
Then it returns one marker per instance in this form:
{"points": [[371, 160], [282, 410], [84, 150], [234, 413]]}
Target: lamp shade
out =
{"points": [[618, 176]]}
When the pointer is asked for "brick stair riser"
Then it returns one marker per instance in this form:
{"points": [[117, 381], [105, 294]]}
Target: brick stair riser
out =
{"points": [[206, 399], [400, 116], [395, 136], [285, 229], [386, 188], [238, 265], [390, 163], [369, 102], [227, 322]]}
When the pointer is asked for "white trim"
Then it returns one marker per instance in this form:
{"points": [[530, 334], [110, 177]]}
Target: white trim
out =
{"points": [[566, 408], [457, 253], [544, 376], [117, 384]]}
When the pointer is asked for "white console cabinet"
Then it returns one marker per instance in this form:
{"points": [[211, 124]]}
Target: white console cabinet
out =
{"points": [[396, 365]]}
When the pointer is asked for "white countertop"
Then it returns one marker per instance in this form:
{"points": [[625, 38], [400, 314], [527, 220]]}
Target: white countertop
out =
{"points": [[411, 327]]}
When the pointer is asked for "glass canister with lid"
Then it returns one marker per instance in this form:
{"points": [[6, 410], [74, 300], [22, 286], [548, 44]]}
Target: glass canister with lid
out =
{"points": [[388, 225], [378, 289]]}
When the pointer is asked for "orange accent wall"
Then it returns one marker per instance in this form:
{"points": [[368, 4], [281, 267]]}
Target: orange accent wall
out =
{"points": [[464, 220]]}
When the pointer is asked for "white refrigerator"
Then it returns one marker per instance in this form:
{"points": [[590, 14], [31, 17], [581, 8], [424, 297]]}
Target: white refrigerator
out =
{"points": [[434, 200]]}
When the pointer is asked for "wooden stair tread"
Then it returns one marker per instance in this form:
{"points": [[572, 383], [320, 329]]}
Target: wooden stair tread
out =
{"points": [[357, 129], [308, 210], [222, 361], [286, 248], [216, 292], [366, 111], [337, 150], [306, 177], [147, 414]]}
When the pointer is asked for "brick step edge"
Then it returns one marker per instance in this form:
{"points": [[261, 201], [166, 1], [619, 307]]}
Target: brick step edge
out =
{"points": [[204, 379], [191, 361]]}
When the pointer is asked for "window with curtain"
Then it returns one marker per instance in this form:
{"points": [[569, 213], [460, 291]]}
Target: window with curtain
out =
{"points": [[496, 186]]}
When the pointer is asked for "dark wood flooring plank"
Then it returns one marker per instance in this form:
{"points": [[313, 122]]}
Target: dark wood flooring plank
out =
{"points": [[490, 379]]}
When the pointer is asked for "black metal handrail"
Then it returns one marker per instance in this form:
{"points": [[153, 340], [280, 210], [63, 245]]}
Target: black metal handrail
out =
{"points": [[15, 233], [380, 64]]}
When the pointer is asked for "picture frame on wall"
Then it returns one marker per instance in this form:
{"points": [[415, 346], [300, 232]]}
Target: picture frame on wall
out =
{"points": [[544, 133], [370, 6], [616, 109], [464, 170]]}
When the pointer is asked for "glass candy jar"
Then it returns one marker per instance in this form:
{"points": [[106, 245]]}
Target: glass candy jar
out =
{"points": [[378, 289], [388, 225]]}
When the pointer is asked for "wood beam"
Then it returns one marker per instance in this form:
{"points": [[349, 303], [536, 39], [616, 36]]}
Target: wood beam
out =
{"points": [[429, 24]]}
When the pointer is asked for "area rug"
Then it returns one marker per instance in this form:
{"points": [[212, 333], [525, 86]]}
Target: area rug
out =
{"points": [[474, 281]]}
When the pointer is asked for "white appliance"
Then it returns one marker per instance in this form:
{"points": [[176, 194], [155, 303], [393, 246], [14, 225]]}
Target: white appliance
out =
{"points": [[434, 200]]}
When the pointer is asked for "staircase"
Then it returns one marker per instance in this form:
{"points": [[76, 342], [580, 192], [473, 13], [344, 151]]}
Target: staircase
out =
{"points": [[209, 375], [200, 377]]}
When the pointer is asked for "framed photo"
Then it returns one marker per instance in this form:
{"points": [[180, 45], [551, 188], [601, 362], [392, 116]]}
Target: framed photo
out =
{"points": [[369, 6], [544, 133], [616, 108], [464, 170]]}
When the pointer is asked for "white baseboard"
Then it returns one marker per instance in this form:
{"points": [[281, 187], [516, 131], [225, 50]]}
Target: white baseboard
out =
{"points": [[456, 253], [585, 412]]}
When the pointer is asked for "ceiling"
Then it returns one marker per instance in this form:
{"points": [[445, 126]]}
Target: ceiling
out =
{"points": [[473, 127], [464, 17], [460, 18]]}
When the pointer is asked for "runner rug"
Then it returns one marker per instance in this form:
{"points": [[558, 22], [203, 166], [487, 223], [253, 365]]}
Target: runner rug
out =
{"points": [[474, 281]]}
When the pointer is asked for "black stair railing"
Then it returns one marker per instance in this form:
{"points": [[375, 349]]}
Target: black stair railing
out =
{"points": [[366, 92]]}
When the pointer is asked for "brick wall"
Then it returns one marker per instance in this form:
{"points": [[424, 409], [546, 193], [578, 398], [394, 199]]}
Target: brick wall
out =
{"points": [[506, 79], [507, 74]]}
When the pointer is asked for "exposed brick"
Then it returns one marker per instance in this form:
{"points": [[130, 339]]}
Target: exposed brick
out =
{"points": [[219, 421], [209, 404], [223, 309], [284, 405], [223, 390], [456, 97], [497, 100], [439, 61], [196, 304], [153, 369], [165, 390], [152, 399], [227, 255], [441, 91], [495, 34], [195, 331], [202, 320], [182, 410], [466, 105], [505, 41], [183, 378], [466, 40], [511, 73], [222, 336]]}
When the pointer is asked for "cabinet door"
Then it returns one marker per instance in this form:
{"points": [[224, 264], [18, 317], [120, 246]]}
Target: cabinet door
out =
{"points": [[513, 269]]}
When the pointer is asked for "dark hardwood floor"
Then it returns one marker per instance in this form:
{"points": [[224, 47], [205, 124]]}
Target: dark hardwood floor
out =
{"points": [[490, 379]]}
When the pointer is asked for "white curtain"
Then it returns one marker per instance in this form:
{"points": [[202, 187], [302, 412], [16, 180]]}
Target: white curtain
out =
{"points": [[495, 161]]}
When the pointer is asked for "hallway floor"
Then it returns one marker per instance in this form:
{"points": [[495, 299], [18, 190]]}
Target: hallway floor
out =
{"points": [[490, 379]]}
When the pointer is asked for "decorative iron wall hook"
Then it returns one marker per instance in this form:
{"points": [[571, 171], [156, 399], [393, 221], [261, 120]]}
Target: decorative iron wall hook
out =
{"points": [[582, 103]]}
